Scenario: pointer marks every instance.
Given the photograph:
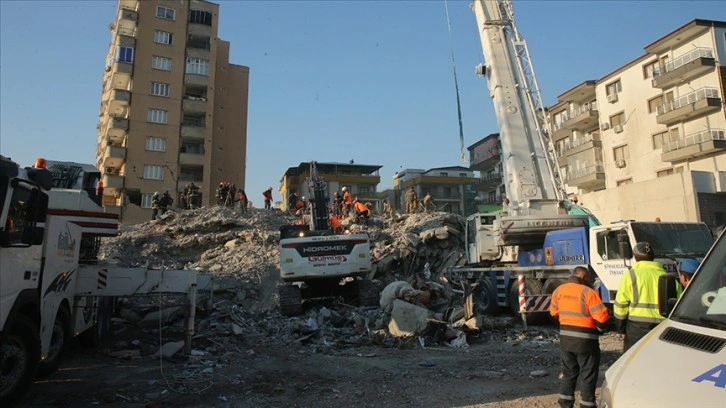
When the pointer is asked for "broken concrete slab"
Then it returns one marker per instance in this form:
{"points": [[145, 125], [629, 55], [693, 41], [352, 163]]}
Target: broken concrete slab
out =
{"points": [[408, 320]]}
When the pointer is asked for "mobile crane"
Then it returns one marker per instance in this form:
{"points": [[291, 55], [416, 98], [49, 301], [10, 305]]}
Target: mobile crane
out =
{"points": [[540, 234], [317, 262], [48, 295]]}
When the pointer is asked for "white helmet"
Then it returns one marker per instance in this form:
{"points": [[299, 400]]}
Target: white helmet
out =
{"points": [[303, 198], [345, 188], [156, 193]]}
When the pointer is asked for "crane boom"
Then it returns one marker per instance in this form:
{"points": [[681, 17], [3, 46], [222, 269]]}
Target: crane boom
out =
{"points": [[528, 154]]}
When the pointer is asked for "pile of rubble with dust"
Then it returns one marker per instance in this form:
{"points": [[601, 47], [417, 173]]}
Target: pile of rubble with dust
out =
{"points": [[240, 250]]}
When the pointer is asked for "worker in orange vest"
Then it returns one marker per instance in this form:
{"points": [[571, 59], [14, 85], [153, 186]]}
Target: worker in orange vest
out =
{"points": [[582, 317], [347, 202], [334, 224], [361, 210]]}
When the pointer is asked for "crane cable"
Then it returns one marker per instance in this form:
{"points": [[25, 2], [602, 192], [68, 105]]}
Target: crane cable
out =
{"points": [[456, 85]]}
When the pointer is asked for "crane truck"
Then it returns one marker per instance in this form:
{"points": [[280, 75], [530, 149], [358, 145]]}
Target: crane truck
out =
{"points": [[53, 288], [317, 262], [540, 234]]}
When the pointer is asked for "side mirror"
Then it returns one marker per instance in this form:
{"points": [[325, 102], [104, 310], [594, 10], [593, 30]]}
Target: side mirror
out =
{"points": [[33, 235], [667, 294], [626, 251]]}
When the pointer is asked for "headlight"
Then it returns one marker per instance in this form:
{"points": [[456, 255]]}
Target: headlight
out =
{"points": [[605, 397]]}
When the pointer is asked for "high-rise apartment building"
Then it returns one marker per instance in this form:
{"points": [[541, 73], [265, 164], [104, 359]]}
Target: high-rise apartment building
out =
{"points": [[173, 109], [649, 139]]}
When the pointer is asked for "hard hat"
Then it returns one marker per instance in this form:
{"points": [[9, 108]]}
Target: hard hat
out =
{"points": [[40, 163], [688, 265], [303, 198], [345, 188], [156, 193]]}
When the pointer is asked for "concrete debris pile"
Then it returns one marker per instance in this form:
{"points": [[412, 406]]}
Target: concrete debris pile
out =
{"points": [[241, 251]]}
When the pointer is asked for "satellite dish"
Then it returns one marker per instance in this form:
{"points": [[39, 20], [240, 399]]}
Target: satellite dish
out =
{"points": [[111, 26]]}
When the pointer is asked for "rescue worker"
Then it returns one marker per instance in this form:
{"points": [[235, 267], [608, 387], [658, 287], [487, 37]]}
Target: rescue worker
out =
{"points": [[361, 210], [193, 195], [155, 205], [99, 189], [411, 200], [335, 206], [267, 194], [427, 202], [347, 202], [335, 224], [165, 202], [583, 317], [636, 303], [242, 198], [686, 267], [387, 210], [220, 193], [185, 197]]}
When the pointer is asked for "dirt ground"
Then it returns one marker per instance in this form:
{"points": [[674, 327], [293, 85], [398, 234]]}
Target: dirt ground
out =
{"points": [[496, 370]]}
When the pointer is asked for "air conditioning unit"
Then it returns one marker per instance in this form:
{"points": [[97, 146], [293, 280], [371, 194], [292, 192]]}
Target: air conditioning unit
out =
{"points": [[605, 126], [613, 97], [618, 128], [620, 163]]}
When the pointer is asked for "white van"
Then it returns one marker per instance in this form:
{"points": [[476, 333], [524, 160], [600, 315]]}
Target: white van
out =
{"points": [[682, 362]]}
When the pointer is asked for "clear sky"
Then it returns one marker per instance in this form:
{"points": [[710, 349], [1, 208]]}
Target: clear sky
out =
{"points": [[369, 81]]}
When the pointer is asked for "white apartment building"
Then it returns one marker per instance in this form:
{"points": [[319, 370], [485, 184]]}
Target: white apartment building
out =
{"points": [[648, 139]]}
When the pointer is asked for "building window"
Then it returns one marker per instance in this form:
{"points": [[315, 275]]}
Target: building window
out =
{"points": [[649, 68], [198, 66], [621, 153], [624, 182], [659, 138], [125, 54], [157, 116], [162, 63], [159, 89], [363, 190], [200, 17], [165, 13], [463, 175], [153, 172], [617, 119], [614, 88], [163, 37], [146, 200], [444, 174], [155, 144], [655, 105]]}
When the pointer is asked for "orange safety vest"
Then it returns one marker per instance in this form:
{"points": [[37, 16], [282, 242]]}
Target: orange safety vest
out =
{"points": [[334, 222], [347, 198], [360, 207], [578, 306]]}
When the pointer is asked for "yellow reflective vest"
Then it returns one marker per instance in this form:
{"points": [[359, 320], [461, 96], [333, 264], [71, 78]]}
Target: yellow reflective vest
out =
{"points": [[637, 297]]}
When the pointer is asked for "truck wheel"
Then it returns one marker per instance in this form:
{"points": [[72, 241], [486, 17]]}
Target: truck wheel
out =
{"points": [[369, 293], [485, 297], [99, 331], [19, 356], [59, 341], [290, 300], [551, 284], [531, 287]]}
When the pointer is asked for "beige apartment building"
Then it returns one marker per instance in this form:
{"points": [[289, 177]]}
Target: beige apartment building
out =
{"points": [[648, 139], [448, 186], [173, 109]]}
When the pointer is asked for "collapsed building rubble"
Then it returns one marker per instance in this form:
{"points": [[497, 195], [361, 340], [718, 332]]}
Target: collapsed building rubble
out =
{"points": [[241, 251]]}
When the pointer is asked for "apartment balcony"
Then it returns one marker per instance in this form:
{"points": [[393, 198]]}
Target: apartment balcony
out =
{"points": [[488, 181], [118, 102], [484, 163], [202, 30], [194, 79], [113, 183], [695, 145], [113, 157], [692, 105], [589, 141], [121, 73], [591, 177], [116, 129], [191, 159], [194, 104], [560, 131], [128, 17], [582, 119], [684, 68]]}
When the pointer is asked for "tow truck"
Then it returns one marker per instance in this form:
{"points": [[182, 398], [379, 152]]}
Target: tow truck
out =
{"points": [[540, 234], [49, 292], [317, 262]]}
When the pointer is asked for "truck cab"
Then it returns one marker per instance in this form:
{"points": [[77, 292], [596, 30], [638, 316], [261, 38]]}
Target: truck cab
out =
{"points": [[682, 362]]}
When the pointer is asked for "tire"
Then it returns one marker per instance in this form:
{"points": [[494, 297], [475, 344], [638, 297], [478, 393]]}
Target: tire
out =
{"points": [[369, 293], [99, 331], [290, 300], [60, 339], [551, 284], [485, 298], [19, 357], [531, 287]]}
